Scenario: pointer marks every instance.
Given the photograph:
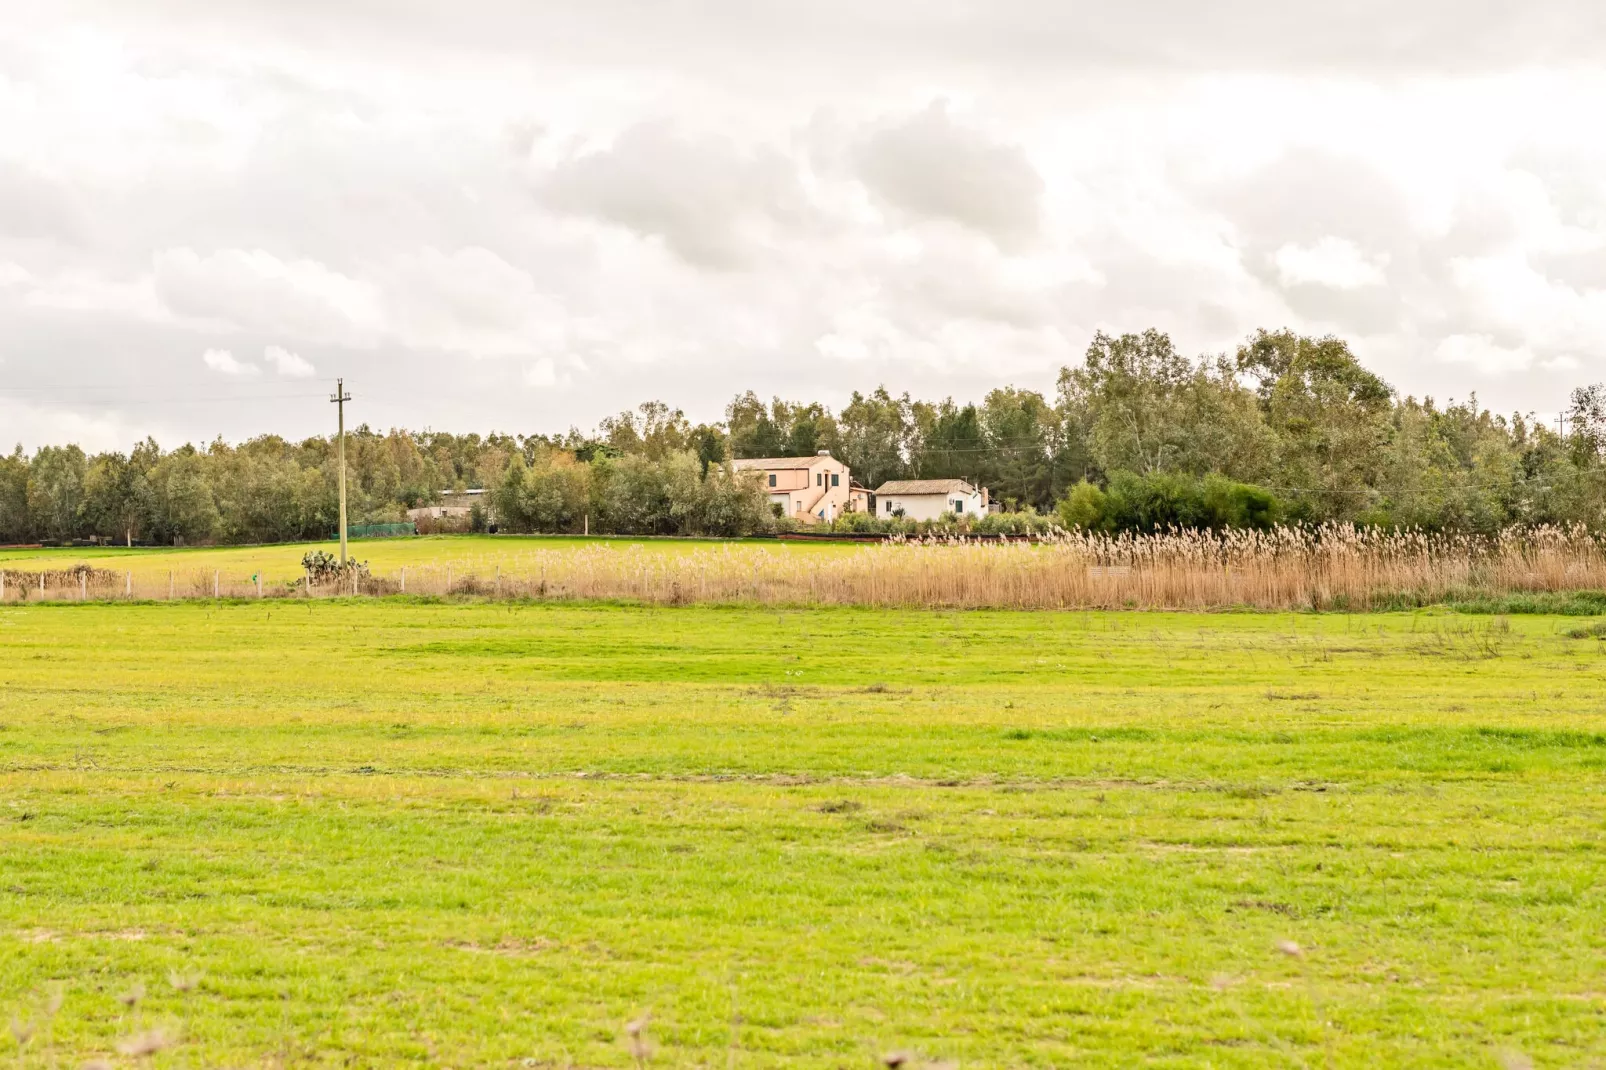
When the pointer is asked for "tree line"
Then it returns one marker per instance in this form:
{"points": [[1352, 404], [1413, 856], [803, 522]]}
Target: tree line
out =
{"points": [[1138, 436]]}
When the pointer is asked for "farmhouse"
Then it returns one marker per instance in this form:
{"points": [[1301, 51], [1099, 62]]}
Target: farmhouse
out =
{"points": [[929, 499], [810, 489]]}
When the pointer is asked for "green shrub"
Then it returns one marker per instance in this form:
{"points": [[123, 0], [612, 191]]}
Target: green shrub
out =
{"points": [[1161, 501], [1082, 508]]}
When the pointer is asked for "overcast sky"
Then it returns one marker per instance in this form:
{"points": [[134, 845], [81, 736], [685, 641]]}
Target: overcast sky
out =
{"points": [[528, 215]]}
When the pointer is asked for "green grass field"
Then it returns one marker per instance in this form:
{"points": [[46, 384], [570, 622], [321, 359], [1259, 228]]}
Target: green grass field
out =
{"points": [[382, 555], [387, 833]]}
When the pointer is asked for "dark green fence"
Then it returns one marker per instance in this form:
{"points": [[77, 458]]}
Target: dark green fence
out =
{"points": [[378, 531]]}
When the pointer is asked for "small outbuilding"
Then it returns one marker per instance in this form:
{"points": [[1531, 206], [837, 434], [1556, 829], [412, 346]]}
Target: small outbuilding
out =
{"points": [[860, 498], [930, 499]]}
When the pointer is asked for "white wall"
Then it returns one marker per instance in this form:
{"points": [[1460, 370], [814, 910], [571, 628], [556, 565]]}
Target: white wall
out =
{"points": [[930, 506]]}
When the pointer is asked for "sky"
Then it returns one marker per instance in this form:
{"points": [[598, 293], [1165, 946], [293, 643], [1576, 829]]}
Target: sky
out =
{"points": [[497, 214]]}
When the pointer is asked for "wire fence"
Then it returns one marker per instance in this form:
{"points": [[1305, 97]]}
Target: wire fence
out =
{"points": [[381, 531]]}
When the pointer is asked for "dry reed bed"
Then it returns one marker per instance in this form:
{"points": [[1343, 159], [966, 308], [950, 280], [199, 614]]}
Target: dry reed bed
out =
{"points": [[1289, 568]]}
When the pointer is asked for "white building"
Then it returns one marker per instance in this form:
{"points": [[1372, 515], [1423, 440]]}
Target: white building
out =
{"points": [[454, 505], [930, 499]]}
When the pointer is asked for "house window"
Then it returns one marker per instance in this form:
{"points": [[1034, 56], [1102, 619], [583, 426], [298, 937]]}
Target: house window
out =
{"points": [[959, 505], [889, 507], [819, 479], [772, 479], [836, 479]]}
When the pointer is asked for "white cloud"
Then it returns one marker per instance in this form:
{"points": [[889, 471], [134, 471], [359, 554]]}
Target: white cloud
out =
{"points": [[469, 301], [1482, 352], [762, 194], [932, 166], [709, 200], [1331, 262], [543, 372], [95, 431], [288, 364], [255, 290], [88, 290], [1505, 295], [756, 42], [221, 360]]}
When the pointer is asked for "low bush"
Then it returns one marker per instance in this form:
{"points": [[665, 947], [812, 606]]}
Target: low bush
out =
{"points": [[1168, 501], [992, 525]]}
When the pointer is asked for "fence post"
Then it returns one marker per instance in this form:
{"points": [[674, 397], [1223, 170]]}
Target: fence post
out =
{"points": [[404, 580], [83, 586], [216, 588], [128, 585], [306, 580]]}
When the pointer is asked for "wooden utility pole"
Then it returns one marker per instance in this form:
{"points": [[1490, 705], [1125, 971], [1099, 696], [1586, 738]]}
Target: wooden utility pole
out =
{"points": [[340, 398]]}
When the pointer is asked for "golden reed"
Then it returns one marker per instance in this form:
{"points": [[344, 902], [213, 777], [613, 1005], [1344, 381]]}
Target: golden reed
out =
{"points": [[1287, 568]]}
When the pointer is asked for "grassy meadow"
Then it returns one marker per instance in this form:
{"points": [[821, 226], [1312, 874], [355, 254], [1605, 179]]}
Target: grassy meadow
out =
{"points": [[382, 555], [435, 564], [396, 832]]}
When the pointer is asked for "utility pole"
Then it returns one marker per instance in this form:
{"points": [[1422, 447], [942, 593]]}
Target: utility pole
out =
{"points": [[340, 398]]}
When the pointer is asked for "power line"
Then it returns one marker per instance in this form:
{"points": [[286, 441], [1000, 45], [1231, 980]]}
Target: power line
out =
{"points": [[119, 394]]}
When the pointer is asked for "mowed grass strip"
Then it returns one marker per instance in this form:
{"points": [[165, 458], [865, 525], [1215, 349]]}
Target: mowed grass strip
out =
{"points": [[387, 833]]}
